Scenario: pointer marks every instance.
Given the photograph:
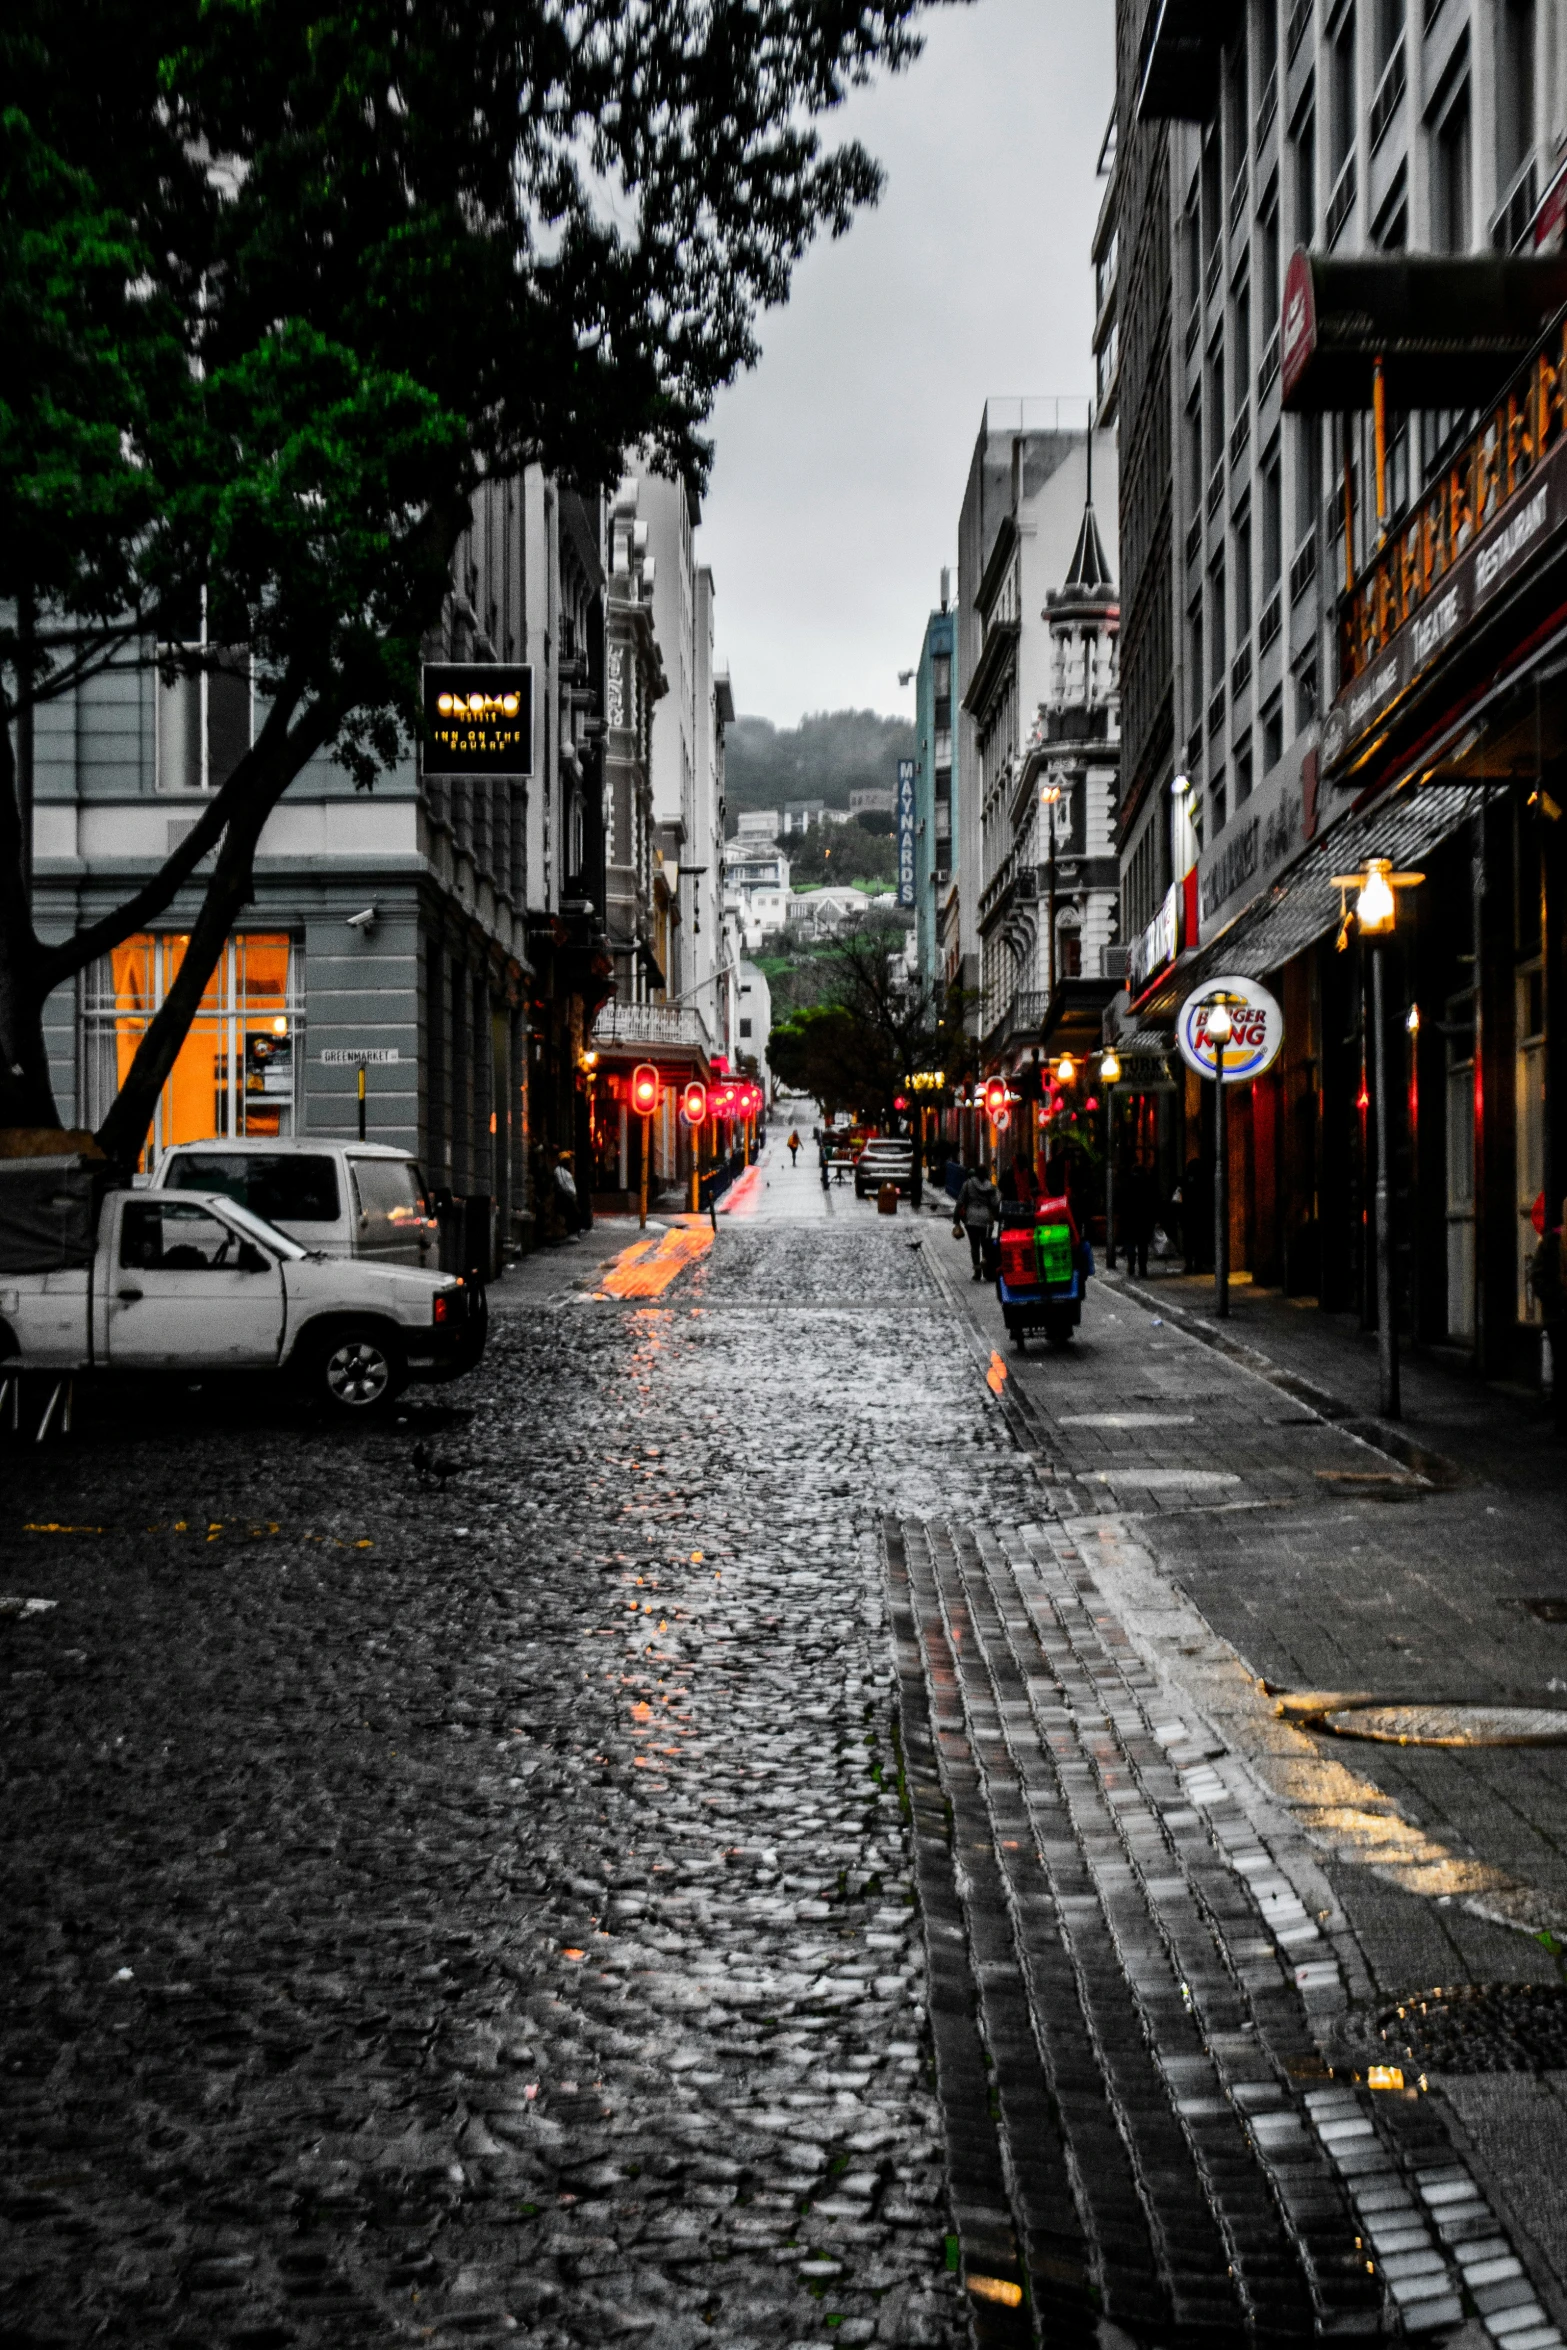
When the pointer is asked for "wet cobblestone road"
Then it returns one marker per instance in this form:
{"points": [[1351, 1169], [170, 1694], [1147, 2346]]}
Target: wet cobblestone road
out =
{"points": [[450, 1906]]}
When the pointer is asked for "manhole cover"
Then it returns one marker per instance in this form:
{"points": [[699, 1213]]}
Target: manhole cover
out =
{"points": [[1452, 1725], [1481, 2028]]}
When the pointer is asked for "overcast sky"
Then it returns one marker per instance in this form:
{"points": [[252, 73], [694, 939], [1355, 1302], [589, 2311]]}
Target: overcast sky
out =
{"points": [[841, 459]]}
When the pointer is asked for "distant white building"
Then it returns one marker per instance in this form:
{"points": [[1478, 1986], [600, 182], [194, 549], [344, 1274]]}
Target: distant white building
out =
{"points": [[755, 1025], [875, 802], [818, 913], [757, 824]]}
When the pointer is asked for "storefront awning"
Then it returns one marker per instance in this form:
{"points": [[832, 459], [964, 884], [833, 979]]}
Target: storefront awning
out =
{"points": [[1303, 904], [1448, 328]]}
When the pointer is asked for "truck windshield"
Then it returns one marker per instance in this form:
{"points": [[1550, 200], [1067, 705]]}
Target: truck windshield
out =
{"points": [[296, 1189], [259, 1229]]}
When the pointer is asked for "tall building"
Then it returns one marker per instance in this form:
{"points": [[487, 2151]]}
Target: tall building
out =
{"points": [[1021, 526], [1341, 646], [935, 795]]}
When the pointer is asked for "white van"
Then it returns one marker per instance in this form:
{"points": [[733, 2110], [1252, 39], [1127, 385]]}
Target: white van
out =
{"points": [[348, 1199]]}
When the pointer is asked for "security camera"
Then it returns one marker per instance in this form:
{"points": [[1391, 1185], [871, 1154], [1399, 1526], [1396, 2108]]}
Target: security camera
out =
{"points": [[364, 921]]}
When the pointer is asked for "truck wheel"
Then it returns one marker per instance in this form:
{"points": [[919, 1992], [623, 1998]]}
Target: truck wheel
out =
{"points": [[1058, 1330], [356, 1373]]}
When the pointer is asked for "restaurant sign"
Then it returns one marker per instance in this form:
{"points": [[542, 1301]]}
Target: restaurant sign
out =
{"points": [[1462, 546], [1154, 949], [1256, 1029]]}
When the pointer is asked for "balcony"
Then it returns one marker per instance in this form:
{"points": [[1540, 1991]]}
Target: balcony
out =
{"points": [[656, 1026]]}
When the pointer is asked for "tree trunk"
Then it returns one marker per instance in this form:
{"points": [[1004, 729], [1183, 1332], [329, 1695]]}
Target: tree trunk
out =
{"points": [[26, 1094], [125, 1129]]}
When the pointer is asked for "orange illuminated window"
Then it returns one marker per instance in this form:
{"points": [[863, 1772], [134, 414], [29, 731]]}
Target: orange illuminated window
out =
{"points": [[236, 1071]]}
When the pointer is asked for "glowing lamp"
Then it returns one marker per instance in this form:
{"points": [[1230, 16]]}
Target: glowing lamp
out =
{"points": [[644, 1089], [1066, 1070], [995, 1096], [1220, 1028], [693, 1103], [1109, 1069], [1374, 908]]}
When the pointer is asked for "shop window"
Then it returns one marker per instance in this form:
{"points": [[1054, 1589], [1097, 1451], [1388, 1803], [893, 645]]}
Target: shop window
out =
{"points": [[1529, 1081], [237, 1069]]}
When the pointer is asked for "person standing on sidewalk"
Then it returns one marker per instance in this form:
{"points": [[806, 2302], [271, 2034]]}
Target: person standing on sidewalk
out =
{"points": [[1548, 1279], [794, 1148], [977, 1213], [1139, 1214]]}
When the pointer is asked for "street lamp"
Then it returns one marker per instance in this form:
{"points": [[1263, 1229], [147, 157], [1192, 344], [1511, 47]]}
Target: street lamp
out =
{"points": [[921, 1083], [1109, 1078], [1219, 1029], [1376, 912], [1049, 796]]}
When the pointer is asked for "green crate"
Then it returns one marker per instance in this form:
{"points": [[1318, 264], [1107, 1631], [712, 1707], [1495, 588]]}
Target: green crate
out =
{"points": [[1053, 1246]]}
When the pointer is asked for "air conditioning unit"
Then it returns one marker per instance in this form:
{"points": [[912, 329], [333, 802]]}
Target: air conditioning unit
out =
{"points": [[1113, 962]]}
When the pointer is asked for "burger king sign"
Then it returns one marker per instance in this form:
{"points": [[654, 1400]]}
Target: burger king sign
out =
{"points": [[1256, 1030]]}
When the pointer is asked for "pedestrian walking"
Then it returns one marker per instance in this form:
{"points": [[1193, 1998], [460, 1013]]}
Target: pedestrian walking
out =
{"points": [[1139, 1213], [794, 1148], [1548, 1279], [977, 1214], [1196, 1203]]}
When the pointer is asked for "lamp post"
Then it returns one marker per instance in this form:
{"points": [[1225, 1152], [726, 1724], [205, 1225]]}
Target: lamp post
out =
{"points": [[1376, 912], [1109, 1078], [1219, 1031], [1048, 798]]}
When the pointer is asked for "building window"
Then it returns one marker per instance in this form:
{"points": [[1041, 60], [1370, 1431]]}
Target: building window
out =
{"points": [[1387, 24], [1215, 404], [1304, 162], [1272, 522], [1514, 89], [1243, 575], [1305, 695], [1268, 266], [1217, 809], [1272, 733], [1241, 362], [1341, 95], [203, 720], [745, 1028], [1451, 175], [1216, 622], [237, 1071], [1242, 765], [1195, 657]]}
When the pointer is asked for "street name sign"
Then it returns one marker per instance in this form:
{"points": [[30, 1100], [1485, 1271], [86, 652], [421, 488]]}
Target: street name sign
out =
{"points": [[338, 1056]]}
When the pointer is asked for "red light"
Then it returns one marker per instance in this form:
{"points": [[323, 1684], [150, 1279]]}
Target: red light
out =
{"points": [[644, 1089], [693, 1103], [900, 1101], [442, 1304], [995, 1095]]}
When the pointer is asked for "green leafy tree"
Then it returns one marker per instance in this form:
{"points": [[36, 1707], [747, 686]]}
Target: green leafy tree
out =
{"points": [[857, 1047], [280, 284]]}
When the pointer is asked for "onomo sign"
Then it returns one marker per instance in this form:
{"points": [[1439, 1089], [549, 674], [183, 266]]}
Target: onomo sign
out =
{"points": [[1256, 1029]]}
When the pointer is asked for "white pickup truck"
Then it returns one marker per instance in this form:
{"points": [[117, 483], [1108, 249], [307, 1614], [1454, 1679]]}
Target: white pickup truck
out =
{"points": [[96, 1279]]}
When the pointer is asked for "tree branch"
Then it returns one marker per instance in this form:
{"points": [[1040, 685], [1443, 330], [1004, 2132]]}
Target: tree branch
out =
{"points": [[226, 807]]}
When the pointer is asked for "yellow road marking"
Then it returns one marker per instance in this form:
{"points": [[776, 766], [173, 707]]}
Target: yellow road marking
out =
{"points": [[647, 1268]]}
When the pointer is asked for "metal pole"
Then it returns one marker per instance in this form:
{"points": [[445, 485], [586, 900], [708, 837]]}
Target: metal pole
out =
{"points": [[1221, 1194], [1110, 1177], [1387, 1312], [361, 1101], [917, 1172], [647, 1136], [25, 621]]}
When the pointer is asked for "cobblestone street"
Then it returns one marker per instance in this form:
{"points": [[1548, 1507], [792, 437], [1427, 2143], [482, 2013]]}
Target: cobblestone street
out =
{"points": [[757, 1823], [449, 1905]]}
